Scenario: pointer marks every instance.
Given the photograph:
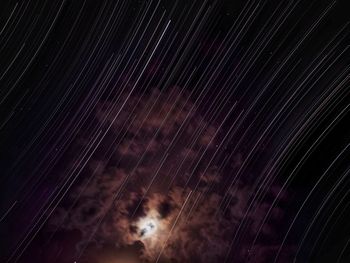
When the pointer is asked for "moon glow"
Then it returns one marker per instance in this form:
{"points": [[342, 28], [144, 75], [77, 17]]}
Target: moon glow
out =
{"points": [[147, 227]]}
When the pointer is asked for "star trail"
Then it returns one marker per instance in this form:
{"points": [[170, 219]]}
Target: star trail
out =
{"points": [[137, 131]]}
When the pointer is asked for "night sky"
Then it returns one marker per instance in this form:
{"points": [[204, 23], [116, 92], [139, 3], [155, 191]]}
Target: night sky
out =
{"points": [[174, 131]]}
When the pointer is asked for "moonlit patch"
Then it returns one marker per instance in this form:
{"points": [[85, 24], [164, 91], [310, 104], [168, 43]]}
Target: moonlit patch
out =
{"points": [[148, 227]]}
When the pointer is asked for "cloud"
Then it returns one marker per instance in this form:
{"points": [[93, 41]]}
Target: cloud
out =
{"points": [[158, 141]]}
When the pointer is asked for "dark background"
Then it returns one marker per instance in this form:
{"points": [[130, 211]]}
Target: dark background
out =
{"points": [[52, 53]]}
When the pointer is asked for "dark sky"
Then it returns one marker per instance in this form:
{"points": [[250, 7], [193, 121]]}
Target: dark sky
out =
{"points": [[174, 131]]}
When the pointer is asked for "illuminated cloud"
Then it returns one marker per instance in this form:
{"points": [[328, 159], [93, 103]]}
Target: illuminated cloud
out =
{"points": [[120, 206]]}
